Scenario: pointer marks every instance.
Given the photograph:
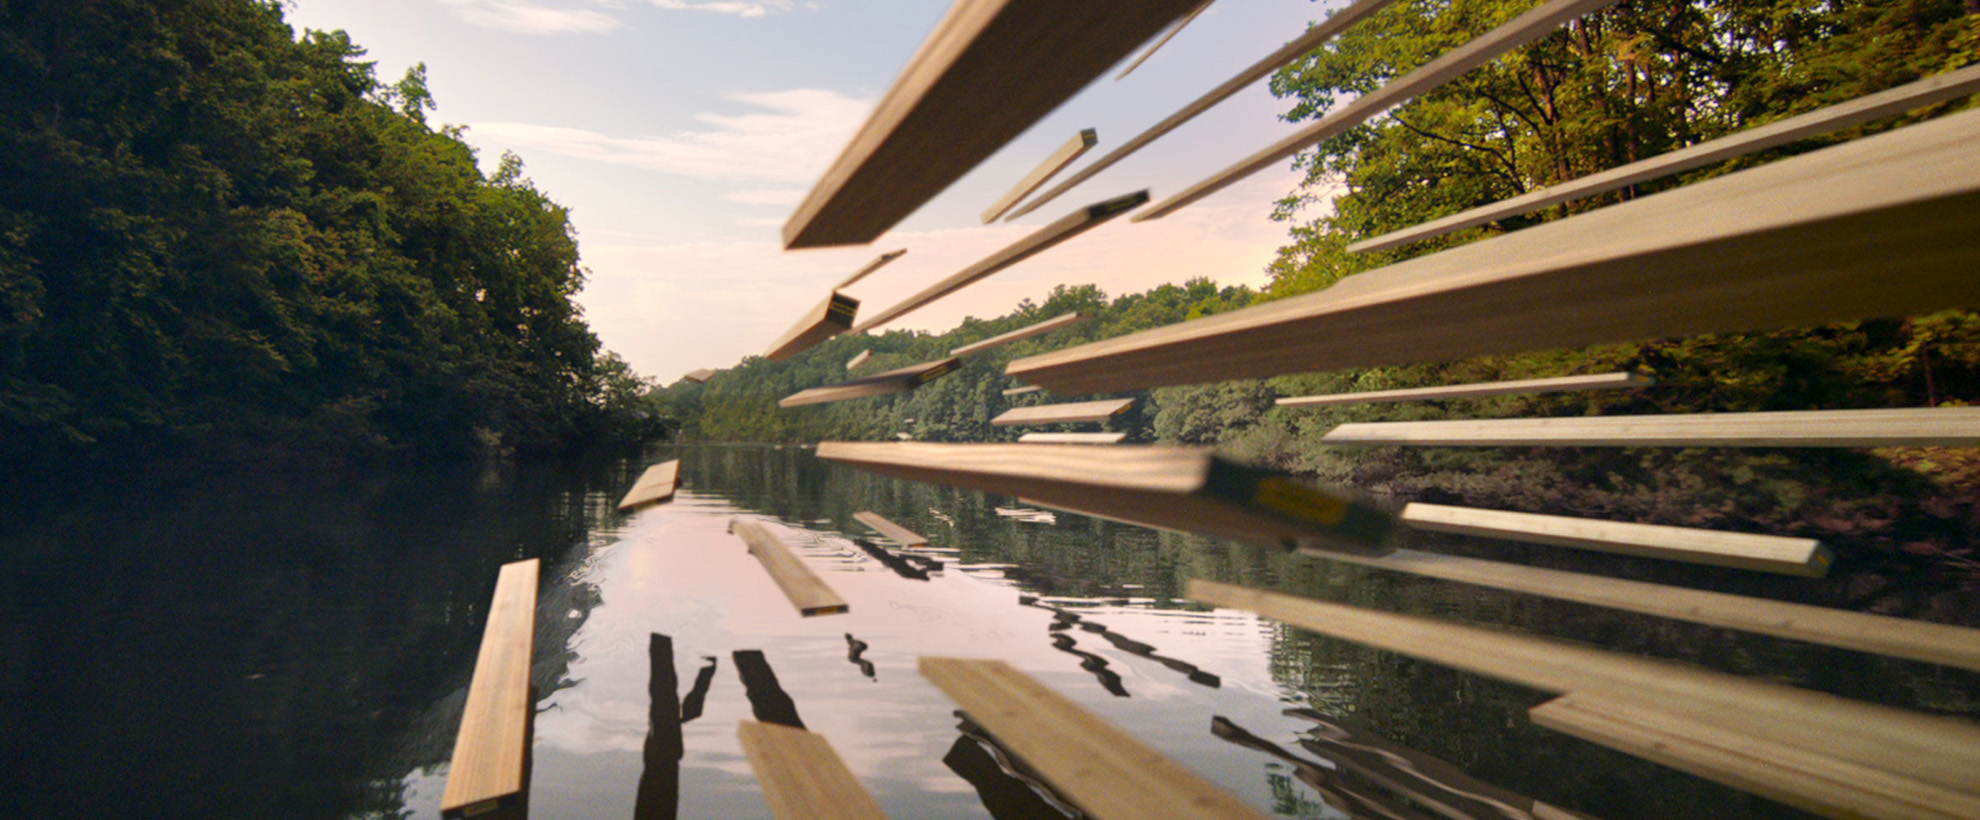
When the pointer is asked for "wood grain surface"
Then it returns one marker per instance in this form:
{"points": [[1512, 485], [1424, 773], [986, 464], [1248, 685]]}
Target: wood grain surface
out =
{"points": [[809, 593], [877, 263], [830, 318], [1068, 413], [1805, 557], [1599, 381], [1071, 438], [879, 384], [489, 772], [893, 532], [1052, 164], [1904, 427], [803, 778], [655, 485]]}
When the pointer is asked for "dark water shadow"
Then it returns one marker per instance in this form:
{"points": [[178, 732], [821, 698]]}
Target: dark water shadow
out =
{"points": [[1354, 799], [854, 649], [888, 559], [1062, 619], [1008, 789], [766, 696], [659, 793]]}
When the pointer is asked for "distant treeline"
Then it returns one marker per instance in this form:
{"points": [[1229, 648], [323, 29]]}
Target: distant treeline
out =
{"points": [[220, 239]]}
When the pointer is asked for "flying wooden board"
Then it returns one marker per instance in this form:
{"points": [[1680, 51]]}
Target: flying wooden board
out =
{"points": [[894, 532], [1055, 162], [807, 592], [1067, 227], [803, 778], [1020, 334], [1805, 557], [1107, 772], [1908, 427], [489, 773], [990, 69], [830, 318], [892, 381], [1070, 413], [699, 376], [1182, 488], [657, 484], [854, 362], [1174, 29], [1071, 438], [1827, 236], [1602, 381], [1019, 391], [878, 263]]}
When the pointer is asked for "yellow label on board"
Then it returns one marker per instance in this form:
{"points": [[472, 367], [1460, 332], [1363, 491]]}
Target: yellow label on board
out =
{"points": [[1299, 501]]}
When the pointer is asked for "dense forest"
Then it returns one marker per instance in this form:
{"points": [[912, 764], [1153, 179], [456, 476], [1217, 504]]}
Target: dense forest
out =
{"points": [[219, 238]]}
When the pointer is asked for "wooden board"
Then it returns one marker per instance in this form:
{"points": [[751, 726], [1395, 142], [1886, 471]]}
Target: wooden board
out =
{"points": [[989, 70], [1020, 334], [830, 318], [854, 362], [1107, 772], [1875, 227], [1071, 438], [1309, 40], [1908, 427], [1070, 413], [1936, 89], [1182, 488], [1067, 227], [1937, 750], [1600, 381], [1790, 774], [699, 376], [807, 591], [881, 384], [1860, 631], [1019, 391], [490, 770], [878, 263], [893, 532], [1148, 52], [655, 485], [803, 778], [1055, 162], [1805, 557]]}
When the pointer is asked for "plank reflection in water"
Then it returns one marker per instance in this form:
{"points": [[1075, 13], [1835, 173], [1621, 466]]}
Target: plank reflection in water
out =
{"points": [[1353, 798], [1062, 619], [659, 795], [1109, 679], [888, 559], [1428, 781], [1008, 791], [691, 705], [766, 696], [854, 649]]}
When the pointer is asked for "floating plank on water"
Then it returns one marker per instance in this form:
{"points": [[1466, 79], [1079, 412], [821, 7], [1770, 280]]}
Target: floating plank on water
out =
{"points": [[1071, 438], [1056, 161], [802, 777], [657, 484], [1603, 381], [1182, 488], [1805, 557], [699, 376], [1026, 332], [1904, 427], [892, 381], [1069, 226], [489, 773], [878, 263], [1825, 236], [1940, 751], [894, 532], [1070, 413], [1108, 773], [858, 360], [1148, 52], [805, 589], [830, 318], [989, 70], [1311, 39], [1019, 391], [1935, 89]]}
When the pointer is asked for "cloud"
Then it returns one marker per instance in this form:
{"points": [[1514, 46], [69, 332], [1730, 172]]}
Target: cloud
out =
{"points": [[739, 8], [777, 196], [522, 17]]}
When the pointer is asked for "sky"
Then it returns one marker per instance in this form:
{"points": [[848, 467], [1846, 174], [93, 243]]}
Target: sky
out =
{"points": [[682, 134]]}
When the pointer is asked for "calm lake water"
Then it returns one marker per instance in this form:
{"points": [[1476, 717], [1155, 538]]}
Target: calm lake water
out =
{"points": [[297, 646]]}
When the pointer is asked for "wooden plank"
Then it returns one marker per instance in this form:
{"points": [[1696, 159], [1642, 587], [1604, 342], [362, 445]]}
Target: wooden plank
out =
{"points": [[1071, 438], [854, 362], [990, 69], [1904, 427], [1053, 163], [655, 485], [490, 770], [1521, 30], [893, 532], [803, 778], [807, 591], [877, 263], [1067, 227], [1931, 90], [1020, 334], [1860, 631], [1107, 772], [1790, 774], [880, 384], [1069, 413], [1311, 39], [1019, 391], [1880, 226], [1600, 381], [1937, 750], [830, 318], [1148, 52], [1805, 557], [700, 376], [1183, 488]]}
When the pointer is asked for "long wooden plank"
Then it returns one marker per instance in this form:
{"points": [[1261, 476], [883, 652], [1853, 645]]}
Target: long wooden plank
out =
{"points": [[1020, 334], [803, 778], [1313, 37], [1067, 227], [893, 381], [1019, 391], [1600, 381], [877, 263], [1906, 427], [1860, 631], [1108, 773], [1937, 750], [809, 593], [655, 485], [1071, 438], [1428, 780], [1936, 89], [830, 318], [990, 69], [1790, 774], [489, 773], [892, 531], [700, 376], [1183, 488], [1880, 226], [1805, 557], [854, 362], [1053, 163], [1174, 29], [1068, 413]]}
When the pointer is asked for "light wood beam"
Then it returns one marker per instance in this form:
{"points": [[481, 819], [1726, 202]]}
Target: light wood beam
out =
{"points": [[877, 263], [803, 778], [1600, 381], [1805, 557], [893, 532], [1070, 413], [655, 485], [830, 318], [1071, 438], [1055, 162], [1906, 427], [1020, 334], [489, 775], [806, 591], [880, 384]]}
